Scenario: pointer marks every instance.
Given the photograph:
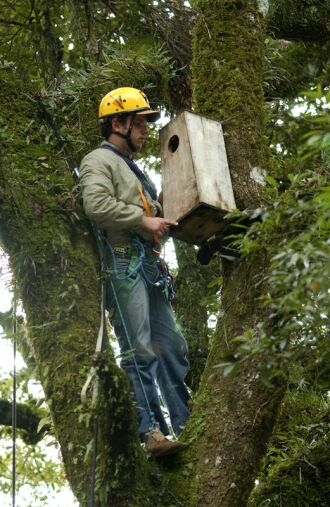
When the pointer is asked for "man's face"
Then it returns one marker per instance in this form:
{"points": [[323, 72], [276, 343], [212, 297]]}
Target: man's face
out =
{"points": [[139, 131], [138, 135]]}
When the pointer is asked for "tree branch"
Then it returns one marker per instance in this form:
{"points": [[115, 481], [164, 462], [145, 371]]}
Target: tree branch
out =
{"points": [[28, 420], [11, 22], [294, 66], [301, 20]]}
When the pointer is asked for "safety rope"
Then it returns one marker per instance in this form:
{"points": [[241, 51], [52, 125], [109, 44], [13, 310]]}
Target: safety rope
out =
{"points": [[14, 406]]}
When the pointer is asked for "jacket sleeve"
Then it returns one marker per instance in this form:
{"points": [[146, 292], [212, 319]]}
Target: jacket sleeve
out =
{"points": [[100, 204]]}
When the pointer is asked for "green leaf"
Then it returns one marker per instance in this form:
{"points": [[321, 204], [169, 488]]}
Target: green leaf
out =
{"points": [[45, 421]]}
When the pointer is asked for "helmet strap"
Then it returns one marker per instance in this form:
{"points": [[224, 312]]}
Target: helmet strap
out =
{"points": [[127, 136]]}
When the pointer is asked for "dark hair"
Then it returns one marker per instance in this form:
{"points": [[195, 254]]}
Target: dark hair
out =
{"points": [[106, 123]]}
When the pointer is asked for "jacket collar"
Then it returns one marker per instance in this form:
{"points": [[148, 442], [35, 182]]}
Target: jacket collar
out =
{"points": [[115, 147]]}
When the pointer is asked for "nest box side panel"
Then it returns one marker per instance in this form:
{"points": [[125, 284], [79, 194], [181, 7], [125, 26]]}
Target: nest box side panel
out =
{"points": [[210, 161], [178, 178]]}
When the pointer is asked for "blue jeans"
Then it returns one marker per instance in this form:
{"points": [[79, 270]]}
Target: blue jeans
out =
{"points": [[157, 345]]}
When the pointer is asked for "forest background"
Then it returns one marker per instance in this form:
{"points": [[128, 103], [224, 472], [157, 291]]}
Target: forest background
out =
{"points": [[261, 378]]}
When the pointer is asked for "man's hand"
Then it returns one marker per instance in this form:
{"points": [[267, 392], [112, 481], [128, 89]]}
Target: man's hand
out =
{"points": [[157, 226]]}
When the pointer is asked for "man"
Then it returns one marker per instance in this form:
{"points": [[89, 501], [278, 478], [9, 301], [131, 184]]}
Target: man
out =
{"points": [[120, 199]]}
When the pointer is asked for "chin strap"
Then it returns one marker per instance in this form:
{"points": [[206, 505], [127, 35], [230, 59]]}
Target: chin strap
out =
{"points": [[127, 136]]}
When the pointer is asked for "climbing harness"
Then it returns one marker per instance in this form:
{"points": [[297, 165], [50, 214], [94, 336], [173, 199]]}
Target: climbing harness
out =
{"points": [[165, 280]]}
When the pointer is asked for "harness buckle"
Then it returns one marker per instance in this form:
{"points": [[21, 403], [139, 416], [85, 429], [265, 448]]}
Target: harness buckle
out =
{"points": [[121, 250]]}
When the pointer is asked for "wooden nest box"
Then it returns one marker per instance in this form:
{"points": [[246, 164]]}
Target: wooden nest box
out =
{"points": [[197, 190]]}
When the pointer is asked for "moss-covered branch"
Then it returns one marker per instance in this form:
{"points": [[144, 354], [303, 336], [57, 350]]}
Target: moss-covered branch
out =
{"points": [[28, 419]]}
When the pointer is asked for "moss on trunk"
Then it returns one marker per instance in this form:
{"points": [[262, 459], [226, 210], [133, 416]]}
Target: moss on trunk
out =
{"points": [[227, 72]]}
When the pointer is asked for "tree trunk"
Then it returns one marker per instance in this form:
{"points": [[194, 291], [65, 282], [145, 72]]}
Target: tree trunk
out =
{"points": [[54, 261], [233, 417]]}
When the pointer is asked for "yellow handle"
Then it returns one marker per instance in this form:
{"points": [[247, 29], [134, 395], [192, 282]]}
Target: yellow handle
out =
{"points": [[148, 213], [145, 203]]}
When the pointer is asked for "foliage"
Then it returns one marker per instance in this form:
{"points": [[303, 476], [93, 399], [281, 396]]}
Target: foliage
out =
{"points": [[293, 232], [298, 130], [71, 53], [39, 474], [39, 470], [296, 467]]}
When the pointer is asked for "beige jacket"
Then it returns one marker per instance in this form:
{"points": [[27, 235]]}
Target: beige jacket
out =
{"points": [[112, 198]]}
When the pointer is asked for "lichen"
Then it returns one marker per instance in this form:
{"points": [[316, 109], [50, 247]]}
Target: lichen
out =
{"points": [[263, 7]]}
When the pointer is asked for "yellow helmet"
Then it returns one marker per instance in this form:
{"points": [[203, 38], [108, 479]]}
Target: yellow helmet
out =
{"points": [[126, 100]]}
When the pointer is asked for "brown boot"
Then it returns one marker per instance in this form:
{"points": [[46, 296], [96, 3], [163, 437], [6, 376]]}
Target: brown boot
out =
{"points": [[158, 445]]}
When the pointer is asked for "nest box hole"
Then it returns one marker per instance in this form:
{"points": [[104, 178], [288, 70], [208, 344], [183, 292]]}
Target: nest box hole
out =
{"points": [[173, 143]]}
